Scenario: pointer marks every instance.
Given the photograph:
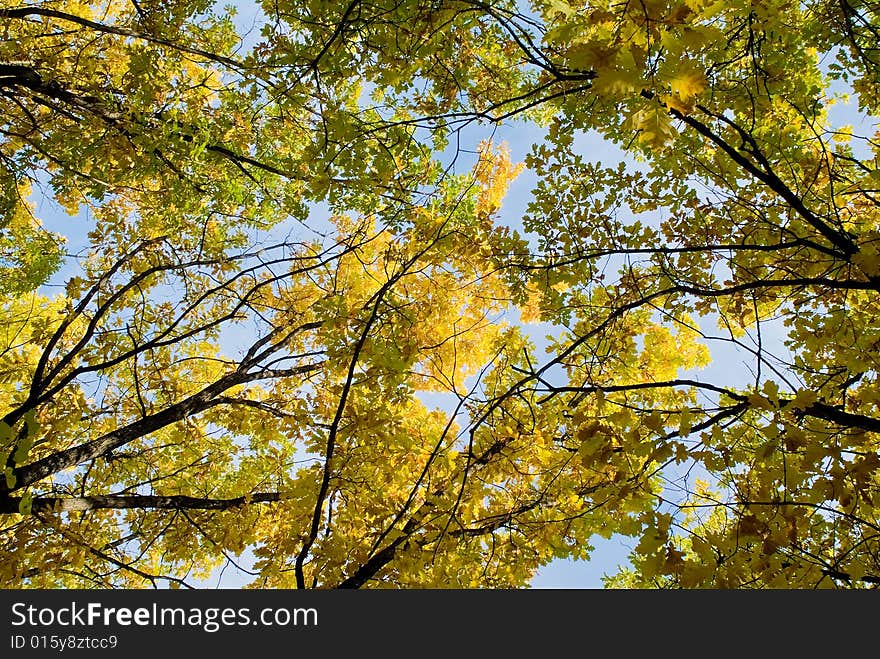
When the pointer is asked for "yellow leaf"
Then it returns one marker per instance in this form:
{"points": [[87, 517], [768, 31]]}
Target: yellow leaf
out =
{"points": [[759, 402], [681, 453], [803, 399], [653, 421], [697, 36], [614, 83], [685, 422], [26, 503], [653, 125], [652, 540], [561, 7], [671, 43], [772, 390], [674, 560], [867, 259], [686, 84], [621, 78]]}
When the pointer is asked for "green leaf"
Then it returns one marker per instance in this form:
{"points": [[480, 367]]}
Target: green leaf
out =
{"points": [[10, 478], [26, 503], [5, 434], [561, 6]]}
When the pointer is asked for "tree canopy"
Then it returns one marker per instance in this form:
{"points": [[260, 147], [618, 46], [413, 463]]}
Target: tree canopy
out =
{"points": [[305, 339]]}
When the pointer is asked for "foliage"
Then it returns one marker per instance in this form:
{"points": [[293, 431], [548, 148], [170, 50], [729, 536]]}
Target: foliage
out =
{"points": [[299, 343]]}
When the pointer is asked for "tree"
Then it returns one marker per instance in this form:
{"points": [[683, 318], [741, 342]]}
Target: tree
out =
{"points": [[287, 262]]}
